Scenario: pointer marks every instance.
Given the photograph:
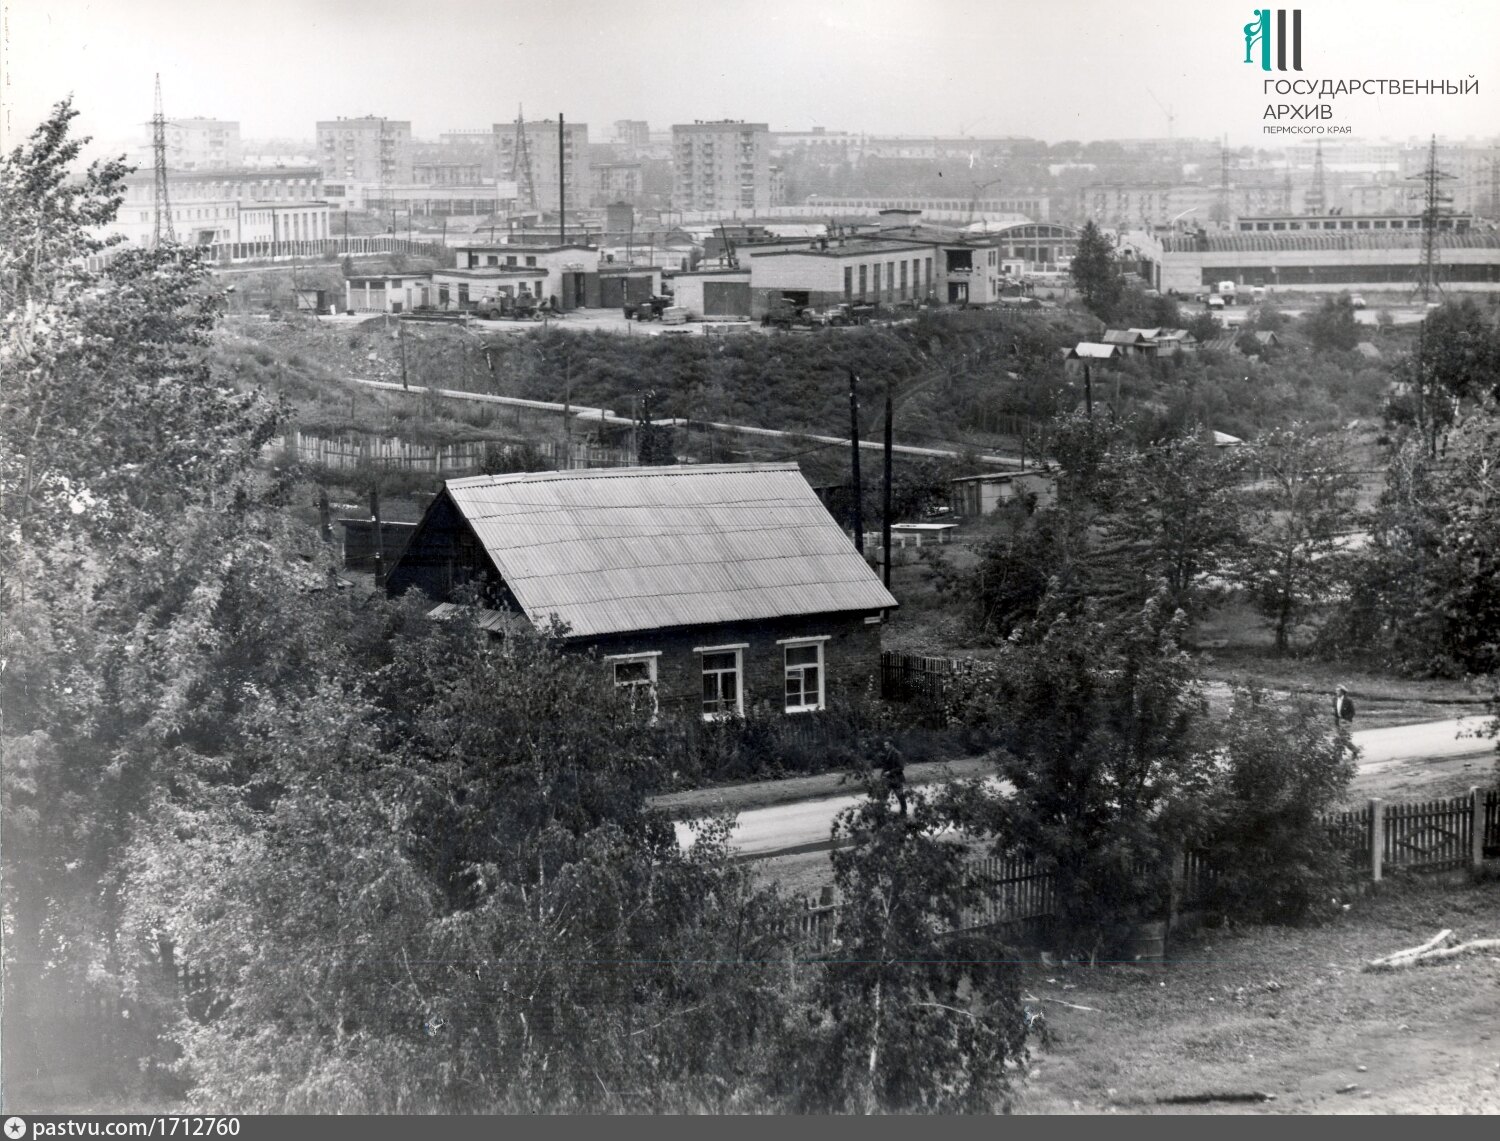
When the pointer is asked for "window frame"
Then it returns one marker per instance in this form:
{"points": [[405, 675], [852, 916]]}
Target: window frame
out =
{"points": [[649, 657], [738, 650], [818, 642]]}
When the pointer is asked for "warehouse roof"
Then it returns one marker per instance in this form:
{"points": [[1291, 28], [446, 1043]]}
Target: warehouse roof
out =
{"points": [[608, 551]]}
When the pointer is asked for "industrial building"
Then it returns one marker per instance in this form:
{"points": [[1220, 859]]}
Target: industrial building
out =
{"points": [[1319, 261], [227, 205]]}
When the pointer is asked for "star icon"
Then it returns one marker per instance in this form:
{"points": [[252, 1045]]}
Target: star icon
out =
{"points": [[15, 1128]]}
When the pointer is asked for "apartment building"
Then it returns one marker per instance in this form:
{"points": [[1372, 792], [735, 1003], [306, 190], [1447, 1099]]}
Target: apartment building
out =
{"points": [[202, 144], [617, 182], [367, 149], [556, 163], [723, 165]]}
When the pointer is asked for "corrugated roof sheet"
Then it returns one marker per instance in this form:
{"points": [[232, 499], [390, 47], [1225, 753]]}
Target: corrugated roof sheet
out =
{"points": [[613, 550]]}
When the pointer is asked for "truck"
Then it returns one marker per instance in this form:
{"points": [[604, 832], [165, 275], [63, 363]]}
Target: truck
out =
{"points": [[505, 308], [1227, 290], [650, 309]]}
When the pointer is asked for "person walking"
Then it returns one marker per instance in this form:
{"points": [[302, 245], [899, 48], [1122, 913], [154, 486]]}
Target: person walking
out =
{"points": [[895, 774], [1343, 708]]}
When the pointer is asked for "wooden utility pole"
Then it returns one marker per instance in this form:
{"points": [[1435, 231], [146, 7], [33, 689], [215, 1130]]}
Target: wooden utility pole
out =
{"points": [[859, 518], [885, 507], [1088, 392], [379, 537], [325, 516]]}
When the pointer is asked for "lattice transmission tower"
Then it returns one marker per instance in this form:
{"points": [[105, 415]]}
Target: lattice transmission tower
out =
{"points": [[1434, 207], [520, 164], [161, 228]]}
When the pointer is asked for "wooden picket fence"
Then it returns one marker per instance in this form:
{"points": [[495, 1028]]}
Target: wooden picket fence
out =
{"points": [[1418, 837]]}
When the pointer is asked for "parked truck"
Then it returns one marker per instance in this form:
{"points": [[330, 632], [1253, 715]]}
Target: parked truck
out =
{"points": [[1227, 290]]}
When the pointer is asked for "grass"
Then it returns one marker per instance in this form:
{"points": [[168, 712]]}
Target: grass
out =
{"points": [[1286, 1012]]}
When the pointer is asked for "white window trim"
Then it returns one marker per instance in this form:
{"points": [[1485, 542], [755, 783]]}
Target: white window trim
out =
{"points": [[822, 667], [738, 650], [647, 656]]}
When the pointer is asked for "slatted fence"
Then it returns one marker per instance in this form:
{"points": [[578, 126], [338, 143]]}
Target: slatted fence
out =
{"points": [[1433, 835], [904, 677]]}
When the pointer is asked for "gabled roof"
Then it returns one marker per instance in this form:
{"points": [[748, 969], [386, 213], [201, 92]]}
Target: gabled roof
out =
{"points": [[1147, 334], [1123, 337], [1267, 337], [1094, 351], [608, 551]]}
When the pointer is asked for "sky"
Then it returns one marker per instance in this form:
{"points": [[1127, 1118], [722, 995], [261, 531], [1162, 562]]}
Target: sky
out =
{"points": [[1052, 69]]}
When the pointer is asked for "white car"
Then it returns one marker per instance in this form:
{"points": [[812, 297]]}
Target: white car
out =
{"points": [[1357, 301]]}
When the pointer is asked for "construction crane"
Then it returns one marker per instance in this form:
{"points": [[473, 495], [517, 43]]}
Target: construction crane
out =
{"points": [[1165, 110]]}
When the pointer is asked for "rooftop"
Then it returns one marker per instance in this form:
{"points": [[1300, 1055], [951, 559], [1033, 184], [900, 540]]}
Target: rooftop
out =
{"points": [[609, 551]]}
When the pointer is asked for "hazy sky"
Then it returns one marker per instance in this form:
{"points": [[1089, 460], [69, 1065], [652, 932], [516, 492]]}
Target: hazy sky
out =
{"points": [[1054, 69]]}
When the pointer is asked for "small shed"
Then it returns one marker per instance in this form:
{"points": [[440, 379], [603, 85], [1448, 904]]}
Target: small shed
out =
{"points": [[972, 496]]}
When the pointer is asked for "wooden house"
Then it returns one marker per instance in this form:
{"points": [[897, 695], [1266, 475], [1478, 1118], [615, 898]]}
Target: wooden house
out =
{"points": [[714, 587]]}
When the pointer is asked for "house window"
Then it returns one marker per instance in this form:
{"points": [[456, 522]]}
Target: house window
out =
{"points": [[531, 261], [804, 675], [635, 674], [723, 695]]}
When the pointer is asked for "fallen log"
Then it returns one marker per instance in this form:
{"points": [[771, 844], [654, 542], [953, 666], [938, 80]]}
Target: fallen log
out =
{"points": [[1398, 958], [1439, 954], [1206, 1098]]}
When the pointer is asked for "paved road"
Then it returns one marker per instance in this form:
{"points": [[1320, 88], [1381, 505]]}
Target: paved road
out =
{"points": [[804, 825]]}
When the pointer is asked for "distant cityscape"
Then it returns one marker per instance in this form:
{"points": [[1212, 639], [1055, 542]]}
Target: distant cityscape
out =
{"points": [[743, 218]]}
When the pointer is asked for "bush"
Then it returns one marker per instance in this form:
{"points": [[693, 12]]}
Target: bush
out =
{"points": [[1273, 859]]}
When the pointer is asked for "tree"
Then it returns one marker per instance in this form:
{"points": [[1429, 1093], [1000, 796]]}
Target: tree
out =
{"points": [[1103, 726], [109, 408], [474, 910], [1305, 503], [908, 1015], [1425, 593], [1096, 272], [1332, 326], [1456, 364], [1179, 516], [1273, 857]]}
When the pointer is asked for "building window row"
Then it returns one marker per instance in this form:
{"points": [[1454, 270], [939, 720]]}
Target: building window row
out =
{"points": [[721, 670]]}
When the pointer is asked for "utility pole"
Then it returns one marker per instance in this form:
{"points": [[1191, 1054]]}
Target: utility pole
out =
{"points": [[885, 505], [161, 229], [379, 542], [859, 518], [1088, 392]]}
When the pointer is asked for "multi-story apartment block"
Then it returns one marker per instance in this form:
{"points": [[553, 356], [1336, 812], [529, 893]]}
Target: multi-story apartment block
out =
{"points": [[202, 144], [721, 166], [368, 149], [634, 135], [555, 162], [617, 182]]}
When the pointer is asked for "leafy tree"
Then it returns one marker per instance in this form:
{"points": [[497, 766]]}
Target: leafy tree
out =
{"points": [[1332, 326], [1178, 515], [457, 850], [1305, 502], [1456, 364], [1107, 752], [1096, 272], [907, 1016], [1273, 858], [1425, 593]]}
